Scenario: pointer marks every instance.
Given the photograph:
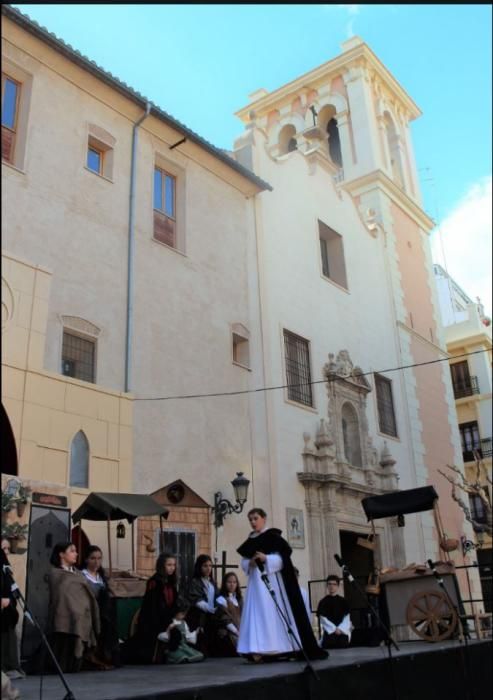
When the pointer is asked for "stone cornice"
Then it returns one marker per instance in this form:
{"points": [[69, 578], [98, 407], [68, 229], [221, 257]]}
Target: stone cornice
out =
{"points": [[377, 179], [361, 54], [308, 478]]}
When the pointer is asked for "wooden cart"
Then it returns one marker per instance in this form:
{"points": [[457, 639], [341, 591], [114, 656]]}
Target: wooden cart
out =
{"points": [[416, 605]]}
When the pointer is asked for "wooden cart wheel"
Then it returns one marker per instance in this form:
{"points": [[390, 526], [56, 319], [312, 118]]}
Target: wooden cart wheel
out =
{"points": [[431, 616]]}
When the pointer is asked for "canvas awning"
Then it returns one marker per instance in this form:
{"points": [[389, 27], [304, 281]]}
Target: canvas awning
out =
{"points": [[399, 503], [118, 506]]}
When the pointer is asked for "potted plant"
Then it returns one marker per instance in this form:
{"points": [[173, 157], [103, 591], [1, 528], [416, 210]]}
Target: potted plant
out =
{"points": [[22, 498], [8, 502], [13, 533]]}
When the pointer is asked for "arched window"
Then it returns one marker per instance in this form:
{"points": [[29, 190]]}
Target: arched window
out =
{"points": [[334, 142], [350, 434], [79, 461], [287, 139]]}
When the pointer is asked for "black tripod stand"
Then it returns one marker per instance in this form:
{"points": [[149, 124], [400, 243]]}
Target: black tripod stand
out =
{"points": [[7, 572], [284, 618], [389, 641], [463, 634]]}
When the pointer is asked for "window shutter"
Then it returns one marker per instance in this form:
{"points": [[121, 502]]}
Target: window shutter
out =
{"points": [[7, 144], [164, 229]]}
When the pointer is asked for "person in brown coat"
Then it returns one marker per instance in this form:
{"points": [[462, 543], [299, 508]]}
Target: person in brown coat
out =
{"points": [[228, 615], [74, 613]]}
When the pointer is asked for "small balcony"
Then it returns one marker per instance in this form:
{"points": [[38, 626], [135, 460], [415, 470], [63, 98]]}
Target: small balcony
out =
{"points": [[484, 450], [466, 388]]}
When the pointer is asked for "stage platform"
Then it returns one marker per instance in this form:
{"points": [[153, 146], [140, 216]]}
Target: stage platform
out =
{"points": [[422, 671]]}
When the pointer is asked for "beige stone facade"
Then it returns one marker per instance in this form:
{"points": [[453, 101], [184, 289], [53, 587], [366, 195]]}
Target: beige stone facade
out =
{"points": [[46, 410], [171, 334]]}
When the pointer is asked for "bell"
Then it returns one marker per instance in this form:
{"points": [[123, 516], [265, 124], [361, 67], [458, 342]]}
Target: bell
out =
{"points": [[120, 531]]}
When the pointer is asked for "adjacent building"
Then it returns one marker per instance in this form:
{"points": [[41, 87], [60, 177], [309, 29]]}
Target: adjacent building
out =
{"points": [[468, 340]]}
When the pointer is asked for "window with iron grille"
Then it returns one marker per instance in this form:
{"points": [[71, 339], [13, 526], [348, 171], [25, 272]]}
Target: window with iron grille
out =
{"points": [[297, 358], [385, 405], [78, 357]]}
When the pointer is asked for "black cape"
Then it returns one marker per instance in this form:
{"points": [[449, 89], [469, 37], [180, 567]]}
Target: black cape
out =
{"points": [[271, 542]]}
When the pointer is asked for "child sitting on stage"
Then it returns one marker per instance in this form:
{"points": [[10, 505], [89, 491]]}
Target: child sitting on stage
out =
{"points": [[178, 635]]}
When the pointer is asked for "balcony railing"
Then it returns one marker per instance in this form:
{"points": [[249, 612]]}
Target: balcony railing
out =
{"points": [[467, 388], [486, 447], [484, 450]]}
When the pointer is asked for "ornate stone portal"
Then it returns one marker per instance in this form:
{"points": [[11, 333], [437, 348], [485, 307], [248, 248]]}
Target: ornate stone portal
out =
{"points": [[341, 467]]}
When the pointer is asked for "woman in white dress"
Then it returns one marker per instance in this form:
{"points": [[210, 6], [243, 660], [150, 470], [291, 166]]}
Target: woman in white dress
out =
{"points": [[264, 631]]}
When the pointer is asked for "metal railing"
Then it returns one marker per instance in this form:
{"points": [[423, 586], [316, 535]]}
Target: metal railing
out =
{"points": [[483, 449], [466, 388], [486, 447]]}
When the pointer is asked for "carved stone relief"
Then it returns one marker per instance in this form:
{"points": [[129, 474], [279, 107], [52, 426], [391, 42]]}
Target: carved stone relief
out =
{"points": [[337, 472]]}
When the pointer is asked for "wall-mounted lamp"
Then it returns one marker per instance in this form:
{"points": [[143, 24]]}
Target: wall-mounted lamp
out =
{"points": [[468, 545], [223, 507], [120, 531]]}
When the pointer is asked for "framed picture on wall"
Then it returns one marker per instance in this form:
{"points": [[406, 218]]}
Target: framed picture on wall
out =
{"points": [[296, 527]]}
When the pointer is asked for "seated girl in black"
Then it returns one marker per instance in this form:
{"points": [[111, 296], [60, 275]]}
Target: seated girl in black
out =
{"points": [[201, 596], [157, 612]]}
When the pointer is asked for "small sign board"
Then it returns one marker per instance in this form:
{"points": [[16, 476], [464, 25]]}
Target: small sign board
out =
{"points": [[49, 499]]}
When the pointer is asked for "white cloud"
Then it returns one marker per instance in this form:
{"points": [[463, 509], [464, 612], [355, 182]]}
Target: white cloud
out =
{"points": [[462, 243], [352, 9]]}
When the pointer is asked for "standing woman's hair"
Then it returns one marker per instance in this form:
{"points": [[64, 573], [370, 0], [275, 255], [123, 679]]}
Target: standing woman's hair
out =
{"points": [[90, 550], [160, 562], [259, 511], [58, 549], [224, 591], [197, 569]]}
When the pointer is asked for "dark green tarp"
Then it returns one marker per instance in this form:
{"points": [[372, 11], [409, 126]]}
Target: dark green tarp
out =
{"points": [[117, 506], [399, 502]]}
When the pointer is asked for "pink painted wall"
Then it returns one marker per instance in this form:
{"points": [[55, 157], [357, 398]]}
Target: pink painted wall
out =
{"points": [[430, 389]]}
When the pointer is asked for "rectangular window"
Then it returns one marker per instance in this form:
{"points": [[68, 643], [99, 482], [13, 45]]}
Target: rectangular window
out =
{"points": [[164, 207], [297, 358], [95, 160], [241, 354], [332, 255], [385, 405], [78, 357], [470, 440], [10, 108], [463, 383], [478, 509]]}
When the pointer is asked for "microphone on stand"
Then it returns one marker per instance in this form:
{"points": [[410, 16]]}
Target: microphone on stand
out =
{"points": [[263, 575], [345, 570]]}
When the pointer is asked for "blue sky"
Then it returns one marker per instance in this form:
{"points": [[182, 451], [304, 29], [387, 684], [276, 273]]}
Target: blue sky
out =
{"points": [[200, 62]]}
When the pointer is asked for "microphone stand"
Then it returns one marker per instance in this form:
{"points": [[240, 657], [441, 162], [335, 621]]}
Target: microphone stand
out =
{"points": [[266, 581], [463, 634], [389, 641], [7, 572]]}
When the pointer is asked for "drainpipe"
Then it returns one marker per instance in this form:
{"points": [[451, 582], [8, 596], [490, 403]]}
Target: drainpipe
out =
{"points": [[131, 245]]}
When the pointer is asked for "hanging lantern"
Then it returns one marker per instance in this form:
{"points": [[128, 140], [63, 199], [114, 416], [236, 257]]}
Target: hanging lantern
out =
{"points": [[120, 531]]}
